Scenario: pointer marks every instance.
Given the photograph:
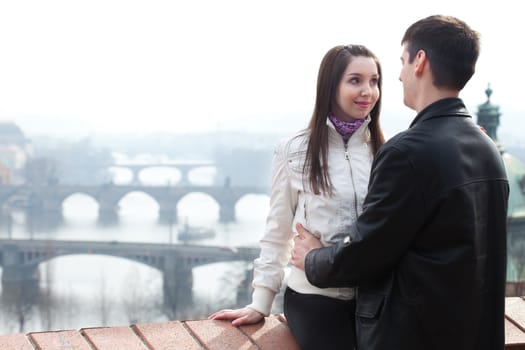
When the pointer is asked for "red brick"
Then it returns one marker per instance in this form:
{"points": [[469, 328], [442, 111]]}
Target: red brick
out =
{"points": [[70, 340], [113, 338], [271, 334], [515, 311], [167, 336], [15, 341], [514, 337], [220, 335]]}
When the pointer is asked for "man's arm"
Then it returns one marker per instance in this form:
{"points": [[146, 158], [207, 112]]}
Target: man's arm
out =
{"points": [[393, 211]]}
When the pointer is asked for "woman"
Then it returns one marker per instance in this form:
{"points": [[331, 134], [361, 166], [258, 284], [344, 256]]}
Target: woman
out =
{"points": [[319, 179]]}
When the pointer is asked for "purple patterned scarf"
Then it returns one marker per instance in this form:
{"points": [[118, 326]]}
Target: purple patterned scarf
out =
{"points": [[345, 129]]}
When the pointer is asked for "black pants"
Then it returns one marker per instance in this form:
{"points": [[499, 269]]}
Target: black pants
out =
{"points": [[318, 322]]}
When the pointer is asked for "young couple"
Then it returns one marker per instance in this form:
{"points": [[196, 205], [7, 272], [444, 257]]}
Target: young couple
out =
{"points": [[396, 245]]}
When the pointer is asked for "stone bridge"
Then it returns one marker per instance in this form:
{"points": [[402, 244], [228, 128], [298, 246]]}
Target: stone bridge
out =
{"points": [[183, 167], [20, 260], [49, 199]]}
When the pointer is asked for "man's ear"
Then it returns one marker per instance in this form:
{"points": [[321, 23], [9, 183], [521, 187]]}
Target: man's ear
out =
{"points": [[421, 61]]}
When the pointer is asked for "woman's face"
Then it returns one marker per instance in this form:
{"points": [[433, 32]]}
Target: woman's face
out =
{"points": [[358, 91]]}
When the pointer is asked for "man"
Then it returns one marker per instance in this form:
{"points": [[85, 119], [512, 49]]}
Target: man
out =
{"points": [[429, 250]]}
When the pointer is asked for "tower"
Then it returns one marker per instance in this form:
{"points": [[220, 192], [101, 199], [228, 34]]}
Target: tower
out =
{"points": [[488, 116]]}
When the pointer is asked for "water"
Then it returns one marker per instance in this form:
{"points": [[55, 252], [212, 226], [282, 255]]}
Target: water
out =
{"points": [[79, 291]]}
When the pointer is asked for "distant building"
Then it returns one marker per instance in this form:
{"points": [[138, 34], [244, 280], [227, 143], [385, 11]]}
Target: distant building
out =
{"points": [[488, 118], [15, 149], [5, 174]]}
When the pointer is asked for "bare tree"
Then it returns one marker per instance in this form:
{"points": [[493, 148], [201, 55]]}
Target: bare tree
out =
{"points": [[18, 299], [69, 307], [46, 302], [140, 304], [102, 300]]}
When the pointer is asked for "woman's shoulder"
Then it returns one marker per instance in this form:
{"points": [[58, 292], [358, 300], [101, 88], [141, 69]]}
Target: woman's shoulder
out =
{"points": [[293, 144], [291, 151]]}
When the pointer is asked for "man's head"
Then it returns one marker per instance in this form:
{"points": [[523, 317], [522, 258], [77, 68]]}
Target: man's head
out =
{"points": [[450, 45]]}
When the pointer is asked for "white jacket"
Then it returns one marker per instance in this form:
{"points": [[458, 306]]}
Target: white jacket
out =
{"points": [[292, 201]]}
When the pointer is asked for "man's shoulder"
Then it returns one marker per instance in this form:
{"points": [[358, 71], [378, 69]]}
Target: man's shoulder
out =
{"points": [[399, 141], [412, 143]]}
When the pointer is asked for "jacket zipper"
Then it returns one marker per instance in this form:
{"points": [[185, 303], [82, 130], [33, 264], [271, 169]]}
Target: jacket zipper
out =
{"points": [[305, 208], [347, 157]]}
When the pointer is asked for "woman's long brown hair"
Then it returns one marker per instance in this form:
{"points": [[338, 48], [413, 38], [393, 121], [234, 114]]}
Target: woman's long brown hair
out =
{"points": [[330, 74]]}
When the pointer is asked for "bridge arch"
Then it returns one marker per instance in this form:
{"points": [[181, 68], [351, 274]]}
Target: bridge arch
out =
{"points": [[103, 282], [183, 169], [246, 203], [80, 205], [37, 257], [121, 175], [198, 206], [202, 175], [139, 203], [159, 175], [104, 273], [79, 260]]}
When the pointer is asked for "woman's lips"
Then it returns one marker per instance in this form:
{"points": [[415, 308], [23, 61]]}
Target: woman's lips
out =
{"points": [[363, 104]]}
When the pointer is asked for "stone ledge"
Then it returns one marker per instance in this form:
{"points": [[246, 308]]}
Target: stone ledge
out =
{"points": [[272, 334]]}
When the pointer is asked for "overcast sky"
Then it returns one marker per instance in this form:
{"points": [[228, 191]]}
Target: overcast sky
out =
{"points": [[146, 66]]}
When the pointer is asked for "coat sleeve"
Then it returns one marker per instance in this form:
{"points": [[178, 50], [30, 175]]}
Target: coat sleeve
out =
{"points": [[382, 233], [276, 242]]}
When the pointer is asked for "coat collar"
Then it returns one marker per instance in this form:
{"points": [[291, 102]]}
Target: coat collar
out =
{"points": [[360, 135], [452, 106]]}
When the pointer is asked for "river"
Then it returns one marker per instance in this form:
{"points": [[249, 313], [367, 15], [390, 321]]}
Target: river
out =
{"points": [[80, 291]]}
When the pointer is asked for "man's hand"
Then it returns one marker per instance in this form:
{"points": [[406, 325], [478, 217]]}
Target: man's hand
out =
{"points": [[304, 242]]}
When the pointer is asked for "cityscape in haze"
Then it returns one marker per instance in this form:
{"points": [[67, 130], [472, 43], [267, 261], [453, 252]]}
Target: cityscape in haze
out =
{"points": [[90, 90], [157, 205], [77, 232]]}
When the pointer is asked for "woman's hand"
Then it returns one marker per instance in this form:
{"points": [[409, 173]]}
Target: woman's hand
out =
{"points": [[239, 317]]}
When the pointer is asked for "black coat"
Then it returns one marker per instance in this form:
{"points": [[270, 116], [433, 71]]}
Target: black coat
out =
{"points": [[428, 252]]}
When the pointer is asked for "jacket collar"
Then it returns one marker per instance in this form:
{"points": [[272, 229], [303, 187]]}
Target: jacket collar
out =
{"points": [[446, 107], [361, 135]]}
